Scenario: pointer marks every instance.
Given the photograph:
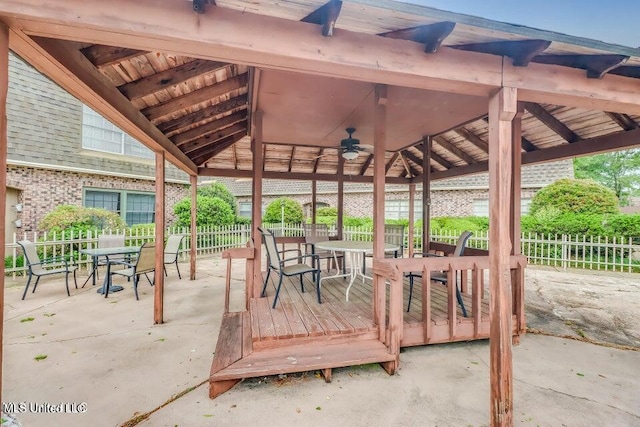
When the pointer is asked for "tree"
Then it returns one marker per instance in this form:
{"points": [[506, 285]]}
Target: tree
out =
{"points": [[577, 196], [218, 189], [293, 213], [619, 171], [209, 211], [79, 218]]}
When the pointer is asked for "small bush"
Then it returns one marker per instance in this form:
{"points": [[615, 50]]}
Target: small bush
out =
{"points": [[242, 221], [218, 189], [209, 211], [293, 213], [353, 221], [68, 218], [576, 196], [327, 211]]}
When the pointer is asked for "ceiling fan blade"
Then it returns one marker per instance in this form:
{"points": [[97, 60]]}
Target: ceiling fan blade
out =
{"points": [[365, 147]]}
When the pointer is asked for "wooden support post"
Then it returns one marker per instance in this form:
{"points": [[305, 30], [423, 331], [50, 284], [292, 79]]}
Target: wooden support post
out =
{"points": [[502, 109], [426, 193], [158, 295], [314, 201], [4, 84], [256, 205], [514, 219], [412, 203], [379, 141], [340, 221], [194, 234]]}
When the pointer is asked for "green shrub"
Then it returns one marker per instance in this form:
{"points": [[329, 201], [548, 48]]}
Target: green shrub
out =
{"points": [[459, 223], [575, 196], [218, 189], [68, 218], [140, 229], [353, 221], [8, 261], [328, 220], [242, 221], [620, 225], [327, 211], [209, 211], [292, 211]]}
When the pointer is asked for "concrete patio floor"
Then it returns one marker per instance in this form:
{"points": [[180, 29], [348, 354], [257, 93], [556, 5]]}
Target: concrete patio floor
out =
{"points": [[108, 354]]}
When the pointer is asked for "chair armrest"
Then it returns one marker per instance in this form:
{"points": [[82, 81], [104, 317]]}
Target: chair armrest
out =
{"points": [[57, 259], [291, 250], [301, 257], [121, 263]]}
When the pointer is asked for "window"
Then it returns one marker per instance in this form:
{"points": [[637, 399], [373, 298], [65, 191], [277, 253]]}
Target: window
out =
{"points": [[101, 135], [399, 209], [481, 207], [244, 209], [139, 208]]}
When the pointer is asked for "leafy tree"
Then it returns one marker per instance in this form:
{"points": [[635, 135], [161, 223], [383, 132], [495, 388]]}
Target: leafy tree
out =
{"points": [[209, 211], [292, 211], [574, 196], [78, 218], [218, 189], [619, 171]]}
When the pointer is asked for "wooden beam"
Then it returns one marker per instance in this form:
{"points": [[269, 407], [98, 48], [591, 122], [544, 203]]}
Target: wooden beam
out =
{"points": [[596, 65], [209, 127], [314, 201], [236, 103], [431, 35], [74, 73], [516, 180], [473, 138], [102, 56], [415, 159], [526, 145], [330, 177], [366, 164], [168, 78], [192, 148], [293, 154], [4, 84], [158, 288], [502, 109], [406, 165], [412, 219], [196, 97], [193, 179], [256, 204], [623, 120], [411, 171], [204, 155], [325, 15], [320, 154], [441, 141], [627, 71], [521, 52], [340, 219], [426, 193], [436, 158], [551, 122], [391, 161]]}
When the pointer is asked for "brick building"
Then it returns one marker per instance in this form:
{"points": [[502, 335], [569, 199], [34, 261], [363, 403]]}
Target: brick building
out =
{"points": [[85, 161]]}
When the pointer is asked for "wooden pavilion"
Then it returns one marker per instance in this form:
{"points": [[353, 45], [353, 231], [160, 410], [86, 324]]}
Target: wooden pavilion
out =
{"points": [[265, 90]]}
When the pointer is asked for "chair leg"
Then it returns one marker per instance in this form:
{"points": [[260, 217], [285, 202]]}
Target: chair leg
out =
{"points": [[136, 278], [317, 277], [75, 279], [35, 285], [26, 288], [178, 269], [459, 297], [264, 287], [410, 291], [149, 280], [66, 282], [301, 283], [164, 267], [275, 299]]}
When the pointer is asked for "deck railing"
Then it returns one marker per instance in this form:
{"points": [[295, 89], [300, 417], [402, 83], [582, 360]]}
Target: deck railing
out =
{"points": [[563, 251]]}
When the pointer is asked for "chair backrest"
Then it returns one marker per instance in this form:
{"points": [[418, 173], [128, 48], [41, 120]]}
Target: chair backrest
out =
{"points": [[462, 243], [173, 244], [31, 256], [146, 258], [111, 241], [314, 233], [269, 240], [394, 234]]}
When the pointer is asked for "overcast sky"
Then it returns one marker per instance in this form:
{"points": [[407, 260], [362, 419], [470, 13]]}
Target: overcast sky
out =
{"points": [[612, 22]]}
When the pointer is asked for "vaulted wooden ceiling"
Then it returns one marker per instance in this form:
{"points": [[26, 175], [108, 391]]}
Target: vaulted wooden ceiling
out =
{"points": [[203, 108]]}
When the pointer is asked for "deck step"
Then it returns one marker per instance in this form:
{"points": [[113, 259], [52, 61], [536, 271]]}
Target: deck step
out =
{"points": [[234, 341], [302, 358]]}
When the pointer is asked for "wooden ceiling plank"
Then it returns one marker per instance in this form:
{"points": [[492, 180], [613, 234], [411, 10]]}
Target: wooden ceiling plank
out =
{"points": [[203, 114], [551, 122], [520, 51], [219, 147], [103, 56], [171, 77], [196, 97], [209, 127], [431, 35], [441, 141], [623, 120], [418, 161], [212, 138], [596, 65], [326, 15], [366, 164], [391, 161], [473, 138]]}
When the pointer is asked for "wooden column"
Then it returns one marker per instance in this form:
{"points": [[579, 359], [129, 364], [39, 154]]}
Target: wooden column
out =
{"points": [[314, 200], [158, 294], [4, 83], [256, 204], [379, 139], [340, 219], [194, 234], [426, 193], [516, 181], [412, 203], [502, 109]]}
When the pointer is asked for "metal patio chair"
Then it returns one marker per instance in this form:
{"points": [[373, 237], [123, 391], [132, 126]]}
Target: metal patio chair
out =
{"points": [[171, 252], [144, 264], [441, 276], [274, 263], [314, 233], [393, 234], [37, 267]]}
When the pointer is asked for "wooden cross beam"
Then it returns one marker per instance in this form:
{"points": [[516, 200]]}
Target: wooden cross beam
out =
{"points": [[391, 161], [326, 15], [366, 164], [473, 138], [193, 147], [431, 35], [624, 121], [210, 127], [551, 122], [102, 56], [236, 103], [520, 51], [217, 148], [441, 141]]}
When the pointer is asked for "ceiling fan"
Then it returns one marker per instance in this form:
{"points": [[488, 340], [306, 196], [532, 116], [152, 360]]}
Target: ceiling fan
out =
{"points": [[351, 147]]}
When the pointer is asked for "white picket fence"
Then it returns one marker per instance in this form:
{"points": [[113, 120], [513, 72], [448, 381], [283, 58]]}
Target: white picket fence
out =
{"points": [[594, 253]]}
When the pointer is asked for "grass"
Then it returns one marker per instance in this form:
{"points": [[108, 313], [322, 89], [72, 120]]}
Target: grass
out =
{"points": [[40, 357], [27, 319]]}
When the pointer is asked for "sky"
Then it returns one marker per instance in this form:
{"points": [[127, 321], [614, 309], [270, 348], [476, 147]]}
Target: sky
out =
{"points": [[608, 21]]}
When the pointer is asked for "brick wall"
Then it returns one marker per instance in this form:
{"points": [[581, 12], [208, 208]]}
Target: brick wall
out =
{"points": [[41, 190]]}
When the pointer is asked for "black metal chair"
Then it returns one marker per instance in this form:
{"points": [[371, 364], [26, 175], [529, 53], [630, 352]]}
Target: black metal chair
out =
{"points": [[442, 276], [171, 252], [393, 234], [144, 264], [36, 267], [278, 266], [314, 233]]}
